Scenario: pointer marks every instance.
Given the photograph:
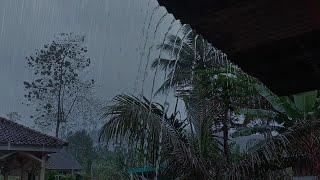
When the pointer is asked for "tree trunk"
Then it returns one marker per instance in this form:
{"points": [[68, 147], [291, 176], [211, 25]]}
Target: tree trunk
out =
{"points": [[57, 128], [6, 176], [60, 100], [225, 130], [58, 115]]}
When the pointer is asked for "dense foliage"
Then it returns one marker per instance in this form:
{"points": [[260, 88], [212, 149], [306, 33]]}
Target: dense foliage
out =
{"points": [[223, 105]]}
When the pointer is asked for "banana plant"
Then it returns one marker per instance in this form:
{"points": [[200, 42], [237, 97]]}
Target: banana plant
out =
{"points": [[299, 106], [298, 137], [284, 110]]}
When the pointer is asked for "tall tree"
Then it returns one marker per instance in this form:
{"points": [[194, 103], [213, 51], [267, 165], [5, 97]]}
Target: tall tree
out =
{"points": [[182, 56], [210, 86], [219, 92], [57, 87]]}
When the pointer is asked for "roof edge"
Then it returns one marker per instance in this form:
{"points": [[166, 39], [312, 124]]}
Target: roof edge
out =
{"points": [[63, 142]]}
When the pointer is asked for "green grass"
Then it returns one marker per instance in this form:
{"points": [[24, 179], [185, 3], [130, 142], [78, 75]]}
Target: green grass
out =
{"points": [[10, 178], [13, 178]]}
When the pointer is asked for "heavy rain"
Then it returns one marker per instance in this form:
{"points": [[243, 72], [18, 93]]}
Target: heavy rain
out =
{"points": [[152, 89]]}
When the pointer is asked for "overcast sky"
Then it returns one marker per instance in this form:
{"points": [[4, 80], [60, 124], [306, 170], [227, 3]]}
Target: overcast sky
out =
{"points": [[115, 39]]}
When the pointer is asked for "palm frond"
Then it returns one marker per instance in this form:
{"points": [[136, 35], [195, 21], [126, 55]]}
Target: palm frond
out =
{"points": [[278, 152], [130, 117], [163, 63]]}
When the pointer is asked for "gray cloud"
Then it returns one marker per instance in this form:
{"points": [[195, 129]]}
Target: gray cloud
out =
{"points": [[114, 30]]}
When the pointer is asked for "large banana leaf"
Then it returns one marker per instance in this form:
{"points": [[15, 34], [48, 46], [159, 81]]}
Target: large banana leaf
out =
{"points": [[305, 102], [280, 104], [276, 102]]}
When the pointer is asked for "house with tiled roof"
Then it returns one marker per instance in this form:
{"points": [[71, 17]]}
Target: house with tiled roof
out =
{"points": [[27, 154]]}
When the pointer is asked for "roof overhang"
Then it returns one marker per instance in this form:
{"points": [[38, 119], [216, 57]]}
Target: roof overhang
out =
{"points": [[277, 41], [29, 148]]}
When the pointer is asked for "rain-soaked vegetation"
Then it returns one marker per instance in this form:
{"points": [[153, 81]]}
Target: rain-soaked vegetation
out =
{"points": [[139, 95]]}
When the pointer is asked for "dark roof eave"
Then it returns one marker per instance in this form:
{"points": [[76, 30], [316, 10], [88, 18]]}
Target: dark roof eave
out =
{"points": [[29, 148], [270, 45]]}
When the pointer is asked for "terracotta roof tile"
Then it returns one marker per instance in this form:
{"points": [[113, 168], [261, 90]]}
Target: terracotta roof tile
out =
{"points": [[18, 134]]}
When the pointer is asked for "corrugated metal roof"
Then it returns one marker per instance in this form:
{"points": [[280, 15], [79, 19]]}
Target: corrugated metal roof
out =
{"points": [[62, 161]]}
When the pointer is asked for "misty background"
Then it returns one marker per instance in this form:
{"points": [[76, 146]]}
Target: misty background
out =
{"points": [[119, 35]]}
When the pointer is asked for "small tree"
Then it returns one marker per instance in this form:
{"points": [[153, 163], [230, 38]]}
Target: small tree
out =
{"points": [[112, 164], [222, 91], [57, 89], [81, 147]]}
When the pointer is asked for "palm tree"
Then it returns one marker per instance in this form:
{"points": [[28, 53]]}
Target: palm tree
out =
{"points": [[185, 55], [170, 145], [205, 80]]}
